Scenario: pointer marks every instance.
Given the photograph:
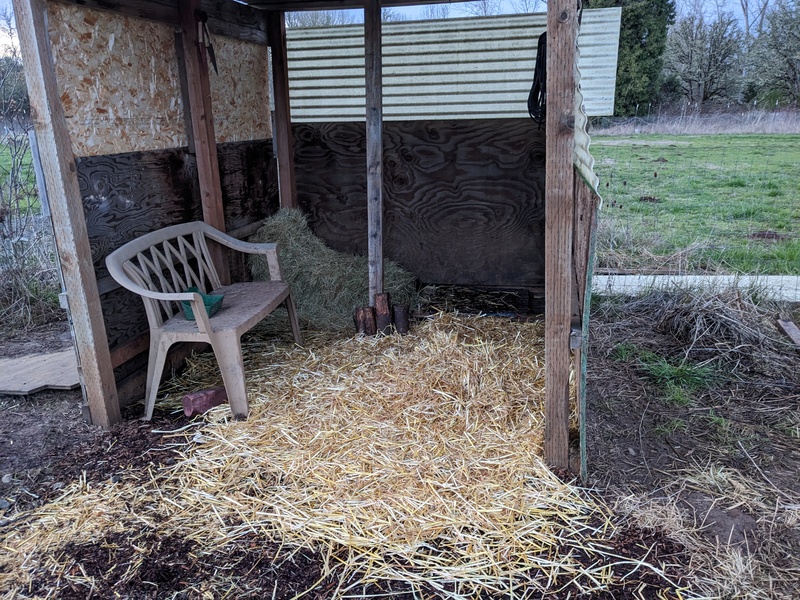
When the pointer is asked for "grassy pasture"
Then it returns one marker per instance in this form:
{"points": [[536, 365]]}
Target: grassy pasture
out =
{"points": [[17, 159], [700, 203]]}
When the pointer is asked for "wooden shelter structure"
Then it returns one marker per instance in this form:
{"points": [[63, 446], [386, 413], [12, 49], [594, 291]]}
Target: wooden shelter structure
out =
{"points": [[214, 160]]}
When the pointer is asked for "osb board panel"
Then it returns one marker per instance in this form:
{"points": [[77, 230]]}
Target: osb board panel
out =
{"points": [[118, 80], [240, 92], [463, 200], [128, 195]]}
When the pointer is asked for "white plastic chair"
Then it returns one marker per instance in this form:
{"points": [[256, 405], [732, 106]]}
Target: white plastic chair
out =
{"points": [[161, 265]]}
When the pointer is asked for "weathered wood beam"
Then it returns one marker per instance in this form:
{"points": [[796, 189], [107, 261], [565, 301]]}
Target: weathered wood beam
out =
{"points": [[585, 223], [300, 5], [66, 209], [205, 146], [559, 209], [130, 349], [284, 142], [584, 235], [374, 94], [225, 17]]}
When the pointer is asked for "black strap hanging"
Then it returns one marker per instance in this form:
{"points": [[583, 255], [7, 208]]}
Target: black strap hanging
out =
{"points": [[537, 99], [204, 38]]}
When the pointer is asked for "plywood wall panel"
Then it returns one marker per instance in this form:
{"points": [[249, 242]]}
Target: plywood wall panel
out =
{"points": [[119, 83], [463, 200], [128, 195], [118, 79], [240, 91], [249, 177]]}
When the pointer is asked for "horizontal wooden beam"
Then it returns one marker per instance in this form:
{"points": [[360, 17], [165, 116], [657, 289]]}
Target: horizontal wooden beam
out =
{"points": [[225, 17], [301, 5], [130, 349]]}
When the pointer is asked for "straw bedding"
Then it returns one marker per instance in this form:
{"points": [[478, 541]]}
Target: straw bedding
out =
{"points": [[326, 285], [414, 459]]}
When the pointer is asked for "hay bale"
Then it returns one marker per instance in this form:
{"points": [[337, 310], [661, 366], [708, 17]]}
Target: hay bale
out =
{"points": [[327, 285]]}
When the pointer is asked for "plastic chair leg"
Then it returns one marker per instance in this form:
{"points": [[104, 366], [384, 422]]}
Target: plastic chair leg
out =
{"points": [[155, 367], [228, 350], [298, 338]]}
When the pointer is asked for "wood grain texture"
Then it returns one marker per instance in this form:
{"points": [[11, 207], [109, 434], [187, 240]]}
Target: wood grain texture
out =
{"points": [[587, 205], [284, 141], [249, 180], [224, 18], [374, 101], [585, 224], [58, 166], [791, 331], [128, 195], [463, 200], [205, 146], [559, 209]]}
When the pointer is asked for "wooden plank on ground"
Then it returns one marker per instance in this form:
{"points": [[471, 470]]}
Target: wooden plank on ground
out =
{"points": [[284, 142], [29, 374], [791, 330], [66, 208], [374, 94], [559, 210]]}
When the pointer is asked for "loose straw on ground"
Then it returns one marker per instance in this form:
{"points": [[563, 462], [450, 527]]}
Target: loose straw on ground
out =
{"points": [[414, 459]]}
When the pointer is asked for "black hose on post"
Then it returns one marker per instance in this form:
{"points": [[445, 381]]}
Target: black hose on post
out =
{"points": [[537, 99]]}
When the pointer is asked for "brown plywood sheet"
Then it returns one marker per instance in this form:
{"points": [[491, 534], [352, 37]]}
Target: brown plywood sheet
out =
{"points": [[28, 374], [463, 200], [118, 80], [240, 92]]}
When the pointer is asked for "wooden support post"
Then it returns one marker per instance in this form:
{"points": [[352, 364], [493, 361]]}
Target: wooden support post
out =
{"points": [[66, 209], [561, 38], [365, 320], [205, 145], [374, 93], [400, 315], [383, 313], [585, 230], [276, 34]]}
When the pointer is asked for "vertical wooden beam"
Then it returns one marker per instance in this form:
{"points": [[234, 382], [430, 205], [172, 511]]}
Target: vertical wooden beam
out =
{"points": [[66, 209], [561, 38], [585, 230], [205, 145], [374, 93], [276, 35], [187, 113]]}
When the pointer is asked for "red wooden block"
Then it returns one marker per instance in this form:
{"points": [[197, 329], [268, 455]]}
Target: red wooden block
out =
{"points": [[197, 403]]}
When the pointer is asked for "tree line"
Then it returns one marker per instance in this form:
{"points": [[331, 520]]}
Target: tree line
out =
{"points": [[710, 57]]}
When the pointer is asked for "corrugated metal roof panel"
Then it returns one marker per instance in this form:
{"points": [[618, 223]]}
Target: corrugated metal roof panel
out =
{"points": [[477, 67]]}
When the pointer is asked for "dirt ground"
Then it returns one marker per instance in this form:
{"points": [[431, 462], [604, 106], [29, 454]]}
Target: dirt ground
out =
{"points": [[720, 458]]}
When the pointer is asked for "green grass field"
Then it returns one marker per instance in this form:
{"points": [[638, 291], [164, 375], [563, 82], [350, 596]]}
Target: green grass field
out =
{"points": [[710, 203], [24, 196]]}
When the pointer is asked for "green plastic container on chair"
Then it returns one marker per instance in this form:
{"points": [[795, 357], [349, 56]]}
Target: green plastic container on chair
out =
{"points": [[213, 304]]}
